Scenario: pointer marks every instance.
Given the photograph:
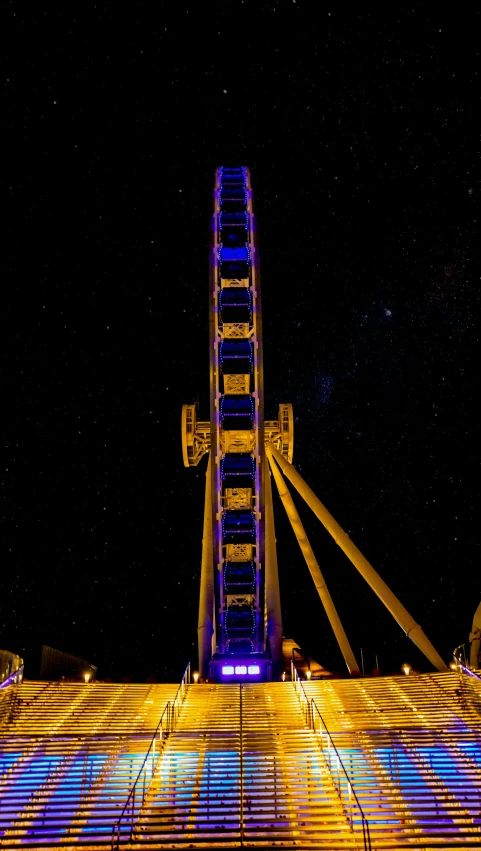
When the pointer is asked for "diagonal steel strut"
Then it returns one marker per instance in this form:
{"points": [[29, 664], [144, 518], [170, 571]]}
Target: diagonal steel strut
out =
{"points": [[393, 605], [315, 570]]}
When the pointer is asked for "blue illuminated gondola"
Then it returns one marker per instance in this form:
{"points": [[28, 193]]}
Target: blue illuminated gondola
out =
{"points": [[235, 303], [236, 412], [235, 297], [239, 622], [239, 577], [236, 406], [238, 527], [236, 356], [240, 646], [237, 470], [232, 220], [232, 193], [228, 255]]}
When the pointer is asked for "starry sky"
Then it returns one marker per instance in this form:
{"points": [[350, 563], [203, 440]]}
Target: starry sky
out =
{"points": [[361, 132]]}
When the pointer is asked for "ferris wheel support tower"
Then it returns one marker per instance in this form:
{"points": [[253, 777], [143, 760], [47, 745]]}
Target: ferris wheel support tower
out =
{"points": [[240, 622]]}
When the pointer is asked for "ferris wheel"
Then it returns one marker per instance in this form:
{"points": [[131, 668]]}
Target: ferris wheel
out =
{"points": [[240, 624]]}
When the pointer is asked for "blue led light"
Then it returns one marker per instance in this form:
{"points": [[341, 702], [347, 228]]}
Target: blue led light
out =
{"points": [[241, 669], [228, 670], [253, 669]]}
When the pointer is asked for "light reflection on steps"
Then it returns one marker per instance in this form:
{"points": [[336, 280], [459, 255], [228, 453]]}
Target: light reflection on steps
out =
{"points": [[242, 763]]}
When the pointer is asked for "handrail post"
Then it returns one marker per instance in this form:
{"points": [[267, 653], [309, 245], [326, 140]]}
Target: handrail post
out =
{"points": [[340, 769], [463, 667], [133, 816], [166, 723]]}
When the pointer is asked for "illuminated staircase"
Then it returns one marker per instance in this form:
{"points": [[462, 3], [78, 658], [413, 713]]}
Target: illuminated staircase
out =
{"points": [[242, 756], [69, 755], [334, 764], [412, 749]]}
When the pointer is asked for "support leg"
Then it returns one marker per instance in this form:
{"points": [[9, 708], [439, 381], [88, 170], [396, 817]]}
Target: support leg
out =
{"points": [[272, 594], [205, 629], [393, 605], [315, 571]]}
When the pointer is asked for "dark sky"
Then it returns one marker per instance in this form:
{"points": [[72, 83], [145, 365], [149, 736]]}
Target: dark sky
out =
{"points": [[361, 132]]}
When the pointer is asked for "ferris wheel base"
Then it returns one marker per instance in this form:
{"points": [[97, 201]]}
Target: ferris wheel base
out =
{"points": [[253, 668]]}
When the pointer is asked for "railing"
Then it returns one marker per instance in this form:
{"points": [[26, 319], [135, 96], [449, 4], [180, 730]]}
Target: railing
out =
{"points": [[459, 656], [124, 827], [342, 781], [14, 677]]}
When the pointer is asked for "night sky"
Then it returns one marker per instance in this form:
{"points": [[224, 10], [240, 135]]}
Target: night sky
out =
{"points": [[361, 132]]}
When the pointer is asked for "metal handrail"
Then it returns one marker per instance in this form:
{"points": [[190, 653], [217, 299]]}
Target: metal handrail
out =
{"points": [[341, 770], [463, 666], [14, 677], [170, 713], [310, 708]]}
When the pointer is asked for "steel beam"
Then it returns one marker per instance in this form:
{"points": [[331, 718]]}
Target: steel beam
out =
{"points": [[393, 605], [315, 571]]}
